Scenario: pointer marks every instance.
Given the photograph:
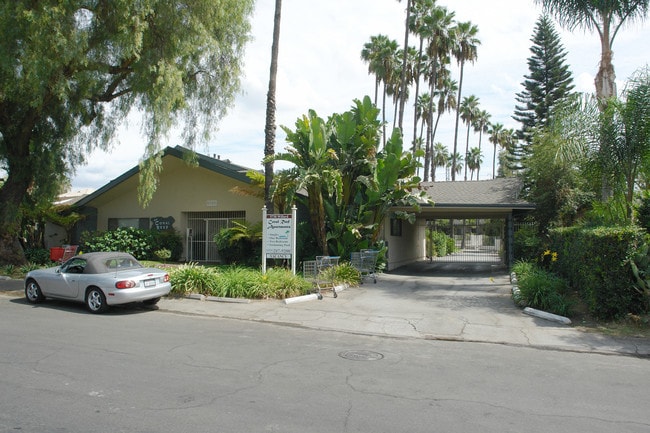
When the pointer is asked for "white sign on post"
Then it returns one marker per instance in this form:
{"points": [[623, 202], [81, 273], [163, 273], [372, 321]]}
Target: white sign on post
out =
{"points": [[278, 236], [279, 239]]}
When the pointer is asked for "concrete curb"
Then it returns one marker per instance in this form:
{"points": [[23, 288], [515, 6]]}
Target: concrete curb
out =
{"points": [[547, 316]]}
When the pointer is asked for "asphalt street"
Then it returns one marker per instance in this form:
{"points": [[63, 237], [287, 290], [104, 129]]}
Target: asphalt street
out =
{"points": [[135, 369]]}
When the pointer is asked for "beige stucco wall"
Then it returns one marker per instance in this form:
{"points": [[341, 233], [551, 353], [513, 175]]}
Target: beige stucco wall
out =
{"points": [[181, 189], [407, 248]]}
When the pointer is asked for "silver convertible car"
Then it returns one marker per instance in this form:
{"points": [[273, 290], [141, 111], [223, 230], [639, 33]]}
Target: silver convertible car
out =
{"points": [[98, 280]]}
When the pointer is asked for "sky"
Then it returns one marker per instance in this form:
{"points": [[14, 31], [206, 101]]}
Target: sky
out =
{"points": [[320, 68]]}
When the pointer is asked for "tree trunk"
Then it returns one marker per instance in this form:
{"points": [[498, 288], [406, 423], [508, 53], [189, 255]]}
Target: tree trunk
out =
{"points": [[269, 130], [317, 215], [402, 92], [11, 197], [453, 157], [14, 190], [605, 80]]}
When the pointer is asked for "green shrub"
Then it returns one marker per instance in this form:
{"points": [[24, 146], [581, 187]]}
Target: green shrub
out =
{"points": [[140, 243], [192, 278], [40, 256], [237, 282], [451, 245], [343, 273], [439, 244], [240, 244], [527, 243], [595, 261], [543, 290]]}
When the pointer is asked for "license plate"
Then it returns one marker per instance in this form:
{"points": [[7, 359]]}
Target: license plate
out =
{"points": [[149, 283]]}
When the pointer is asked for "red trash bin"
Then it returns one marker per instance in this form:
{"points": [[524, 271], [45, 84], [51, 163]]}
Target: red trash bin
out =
{"points": [[56, 253]]}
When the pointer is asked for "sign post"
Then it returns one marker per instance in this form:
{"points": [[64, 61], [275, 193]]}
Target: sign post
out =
{"points": [[279, 237]]}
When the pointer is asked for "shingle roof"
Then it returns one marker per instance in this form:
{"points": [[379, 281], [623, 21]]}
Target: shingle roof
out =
{"points": [[501, 192], [224, 167]]}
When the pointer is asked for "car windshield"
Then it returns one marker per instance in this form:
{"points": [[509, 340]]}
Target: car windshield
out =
{"points": [[74, 266]]}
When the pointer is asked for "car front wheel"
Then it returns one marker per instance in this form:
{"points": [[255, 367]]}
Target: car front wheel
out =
{"points": [[96, 301], [33, 292]]}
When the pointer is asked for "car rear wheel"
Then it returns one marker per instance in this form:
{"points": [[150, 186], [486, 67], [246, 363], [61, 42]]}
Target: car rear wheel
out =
{"points": [[96, 301], [33, 292]]}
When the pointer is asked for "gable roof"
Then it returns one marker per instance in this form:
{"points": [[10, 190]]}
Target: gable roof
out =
{"points": [[223, 167], [474, 199], [501, 192]]}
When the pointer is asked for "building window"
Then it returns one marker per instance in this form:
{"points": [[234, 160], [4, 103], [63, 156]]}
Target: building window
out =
{"points": [[136, 223], [395, 227]]}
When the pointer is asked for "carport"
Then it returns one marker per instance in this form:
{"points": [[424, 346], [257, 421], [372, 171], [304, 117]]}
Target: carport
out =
{"points": [[479, 215]]}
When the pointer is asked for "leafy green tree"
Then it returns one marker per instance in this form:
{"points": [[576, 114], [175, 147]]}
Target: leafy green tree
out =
{"points": [[309, 153], [549, 80], [555, 183], [350, 183], [606, 17], [624, 138], [71, 71]]}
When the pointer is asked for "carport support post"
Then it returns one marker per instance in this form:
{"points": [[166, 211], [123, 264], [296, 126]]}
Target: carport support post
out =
{"points": [[510, 236]]}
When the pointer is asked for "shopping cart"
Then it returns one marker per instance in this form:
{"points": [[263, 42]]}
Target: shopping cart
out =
{"points": [[319, 273], [365, 261]]}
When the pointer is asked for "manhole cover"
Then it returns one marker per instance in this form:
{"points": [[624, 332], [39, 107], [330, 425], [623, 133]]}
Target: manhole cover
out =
{"points": [[361, 355]]}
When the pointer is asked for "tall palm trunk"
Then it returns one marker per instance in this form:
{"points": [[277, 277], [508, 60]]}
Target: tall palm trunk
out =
{"points": [[402, 87], [417, 92], [460, 88], [269, 130]]}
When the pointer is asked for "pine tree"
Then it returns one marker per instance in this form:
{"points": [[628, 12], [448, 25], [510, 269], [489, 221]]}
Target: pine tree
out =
{"points": [[549, 81]]}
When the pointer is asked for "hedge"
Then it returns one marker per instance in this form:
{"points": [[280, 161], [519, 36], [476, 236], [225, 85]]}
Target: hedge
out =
{"points": [[595, 261]]}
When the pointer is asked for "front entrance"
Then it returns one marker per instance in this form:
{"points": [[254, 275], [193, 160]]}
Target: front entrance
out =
{"points": [[474, 240], [201, 228]]}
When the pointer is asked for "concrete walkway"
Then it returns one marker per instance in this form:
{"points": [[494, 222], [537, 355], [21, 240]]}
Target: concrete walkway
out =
{"points": [[460, 303]]}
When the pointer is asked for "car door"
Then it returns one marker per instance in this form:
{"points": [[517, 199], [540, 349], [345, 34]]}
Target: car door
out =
{"points": [[66, 283]]}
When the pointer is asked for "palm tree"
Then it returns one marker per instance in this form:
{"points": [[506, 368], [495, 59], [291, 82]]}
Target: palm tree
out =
{"points": [[464, 49], [468, 112], [496, 136], [422, 107], [418, 25], [446, 94], [370, 54], [269, 130], [604, 17], [440, 157], [455, 164], [474, 161], [439, 23], [481, 124]]}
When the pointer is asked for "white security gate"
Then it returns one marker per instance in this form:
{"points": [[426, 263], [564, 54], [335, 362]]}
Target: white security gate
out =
{"points": [[201, 229], [476, 240]]}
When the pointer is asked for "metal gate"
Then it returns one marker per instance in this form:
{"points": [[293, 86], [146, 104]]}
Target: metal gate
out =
{"points": [[474, 240], [201, 228]]}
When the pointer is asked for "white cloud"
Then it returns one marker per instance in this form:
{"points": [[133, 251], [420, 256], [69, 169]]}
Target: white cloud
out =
{"points": [[320, 68]]}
